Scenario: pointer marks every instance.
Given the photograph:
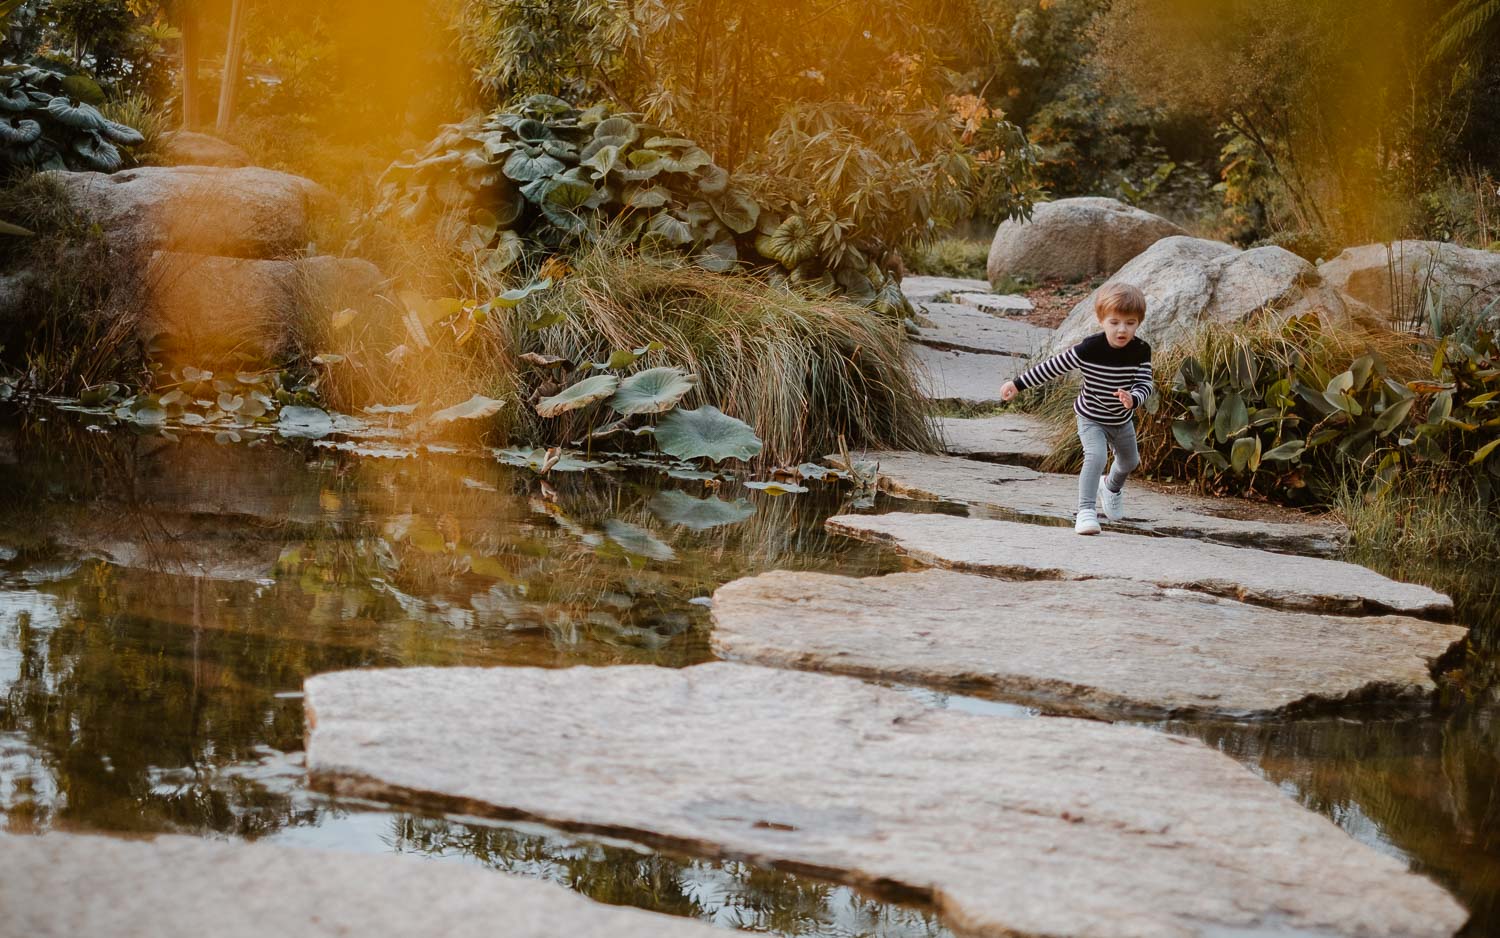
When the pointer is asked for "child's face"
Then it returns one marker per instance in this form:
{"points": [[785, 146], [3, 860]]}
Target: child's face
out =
{"points": [[1119, 329]]}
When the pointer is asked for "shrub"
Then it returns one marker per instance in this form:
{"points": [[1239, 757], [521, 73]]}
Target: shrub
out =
{"points": [[949, 257], [48, 122], [1291, 411], [541, 178], [801, 371]]}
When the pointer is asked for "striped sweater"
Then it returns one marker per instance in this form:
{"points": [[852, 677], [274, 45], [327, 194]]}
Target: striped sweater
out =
{"points": [[1105, 369]]}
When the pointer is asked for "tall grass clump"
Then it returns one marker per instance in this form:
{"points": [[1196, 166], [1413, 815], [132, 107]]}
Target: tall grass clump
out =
{"points": [[949, 257], [76, 304], [801, 370]]}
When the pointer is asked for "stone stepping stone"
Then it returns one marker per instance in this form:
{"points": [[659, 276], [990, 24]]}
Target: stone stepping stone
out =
{"points": [[1055, 495], [1011, 827], [964, 329], [926, 289], [65, 886], [1037, 552], [1105, 648], [968, 377], [1005, 303], [1007, 438]]}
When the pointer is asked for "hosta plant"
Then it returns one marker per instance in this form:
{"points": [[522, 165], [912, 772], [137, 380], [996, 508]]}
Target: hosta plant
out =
{"points": [[547, 175], [49, 121]]}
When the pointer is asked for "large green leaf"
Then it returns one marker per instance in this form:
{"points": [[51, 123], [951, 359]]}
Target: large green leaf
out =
{"points": [[706, 433], [647, 197], [1232, 419], [582, 394], [790, 244], [603, 160], [653, 391], [523, 166], [698, 514], [1286, 452], [475, 408], [1245, 454], [569, 191], [713, 180], [737, 210], [616, 131], [719, 257], [513, 298], [669, 228]]}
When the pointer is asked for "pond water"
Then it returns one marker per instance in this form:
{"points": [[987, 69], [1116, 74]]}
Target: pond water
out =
{"points": [[162, 601]]}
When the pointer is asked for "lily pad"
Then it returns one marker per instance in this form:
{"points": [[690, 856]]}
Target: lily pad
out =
{"points": [[706, 433], [582, 394], [475, 408], [537, 458], [304, 423], [653, 391], [634, 539], [777, 488], [699, 514]]}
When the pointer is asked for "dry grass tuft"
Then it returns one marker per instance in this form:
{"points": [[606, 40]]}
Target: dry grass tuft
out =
{"points": [[802, 371]]}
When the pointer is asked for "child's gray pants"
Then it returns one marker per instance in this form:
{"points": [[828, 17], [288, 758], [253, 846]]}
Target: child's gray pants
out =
{"points": [[1097, 440]]}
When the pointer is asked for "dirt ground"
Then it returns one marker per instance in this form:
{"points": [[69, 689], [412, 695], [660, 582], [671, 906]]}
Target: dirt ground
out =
{"points": [[1055, 299]]}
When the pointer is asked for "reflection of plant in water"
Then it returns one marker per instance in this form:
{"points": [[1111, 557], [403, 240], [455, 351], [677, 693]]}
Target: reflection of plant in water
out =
{"points": [[726, 892]]}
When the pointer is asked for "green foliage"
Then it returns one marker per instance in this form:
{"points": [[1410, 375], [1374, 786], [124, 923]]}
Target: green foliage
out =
{"points": [[801, 370], [546, 176], [48, 122], [949, 257], [864, 118], [1252, 420]]}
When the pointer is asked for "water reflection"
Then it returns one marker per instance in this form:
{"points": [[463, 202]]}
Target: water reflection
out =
{"points": [[161, 603]]}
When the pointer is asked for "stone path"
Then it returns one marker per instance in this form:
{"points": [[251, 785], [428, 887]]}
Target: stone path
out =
{"points": [[1011, 827], [964, 377], [1038, 552], [1101, 648], [1006, 304], [927, 289], [1007, 438], [67, 886], [1055, 495], [964, 329]]}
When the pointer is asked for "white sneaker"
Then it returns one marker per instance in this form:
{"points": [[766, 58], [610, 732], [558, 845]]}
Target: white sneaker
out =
{"points": [[1111, 504], [1087, 523]]}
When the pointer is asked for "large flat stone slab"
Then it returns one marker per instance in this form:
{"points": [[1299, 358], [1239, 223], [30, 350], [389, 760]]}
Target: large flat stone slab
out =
{"points": [[1038, 552], [1055, 495], [66, 886], [1007, 438], [966, 329], [1012, 827], [1101, 648], [969, 377]]}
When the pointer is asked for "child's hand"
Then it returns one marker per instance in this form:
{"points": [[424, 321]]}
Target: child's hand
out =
{"points": [[1007, 390], [1126, 401]]}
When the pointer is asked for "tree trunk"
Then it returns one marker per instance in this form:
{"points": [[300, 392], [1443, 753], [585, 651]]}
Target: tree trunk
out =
{"points": [[190, 56], [232, 53]]}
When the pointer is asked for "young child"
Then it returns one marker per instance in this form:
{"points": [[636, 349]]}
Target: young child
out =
{"points": [[1116, 380]]}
